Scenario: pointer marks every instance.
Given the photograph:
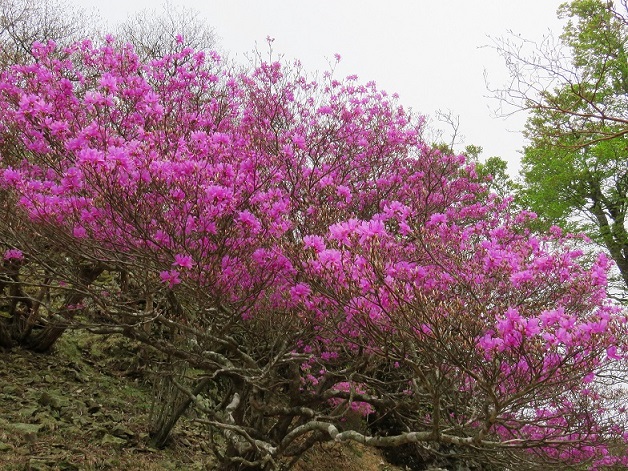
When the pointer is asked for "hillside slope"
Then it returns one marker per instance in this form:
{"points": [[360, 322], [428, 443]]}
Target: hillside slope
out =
{"points": [[84, 407]]}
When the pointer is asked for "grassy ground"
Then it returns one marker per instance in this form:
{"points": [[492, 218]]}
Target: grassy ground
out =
{"points": [[79, 409]]}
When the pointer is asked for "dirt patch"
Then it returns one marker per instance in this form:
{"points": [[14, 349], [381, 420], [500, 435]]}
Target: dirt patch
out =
{"points": [[344, 457], [84, 407]]}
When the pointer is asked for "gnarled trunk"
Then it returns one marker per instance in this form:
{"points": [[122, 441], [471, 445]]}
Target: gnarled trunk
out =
{"points": [[24, 325]]}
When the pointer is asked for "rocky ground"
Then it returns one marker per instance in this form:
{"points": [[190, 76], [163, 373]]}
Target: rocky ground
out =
{"points": [[85, 407]]}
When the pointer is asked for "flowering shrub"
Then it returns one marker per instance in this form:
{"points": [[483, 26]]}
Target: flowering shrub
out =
{"points": [[303, 247]]}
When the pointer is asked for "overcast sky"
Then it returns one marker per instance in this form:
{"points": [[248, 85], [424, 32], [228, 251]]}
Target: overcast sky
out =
{"points": [[428, 51]]}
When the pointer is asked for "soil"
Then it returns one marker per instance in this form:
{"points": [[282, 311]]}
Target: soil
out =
{"points": [[86, 407]]}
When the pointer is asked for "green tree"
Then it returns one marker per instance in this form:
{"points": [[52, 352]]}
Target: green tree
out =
{"points": [[493, 171], [574, 170]]}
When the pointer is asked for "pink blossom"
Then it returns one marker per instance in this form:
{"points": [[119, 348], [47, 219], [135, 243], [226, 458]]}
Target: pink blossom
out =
{"points": [[315, 242], [612, 353], [183, 261], [521, 277], [344, 192], [299, 141], [532, 327], [325, 110], [109, 82], [300, 291], [249, 220], [340, 232], [329, 257], [362, 408], [437, 218], [171, 278], [490, 344], [79, 232], [11, 176], [13, 254], [369, 229]]}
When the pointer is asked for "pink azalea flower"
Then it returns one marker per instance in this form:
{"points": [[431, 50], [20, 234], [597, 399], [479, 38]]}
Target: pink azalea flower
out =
{"points": [[171, 278], [13, 254], [183, 261]]}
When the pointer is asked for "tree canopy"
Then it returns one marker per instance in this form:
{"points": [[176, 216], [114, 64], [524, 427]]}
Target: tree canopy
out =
{"points": [[574, 168]]}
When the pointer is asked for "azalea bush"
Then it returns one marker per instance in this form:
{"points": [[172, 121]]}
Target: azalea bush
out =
{"points": [[299, 245]]}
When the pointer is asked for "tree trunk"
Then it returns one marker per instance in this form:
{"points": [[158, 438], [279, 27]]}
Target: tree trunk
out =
{"points": [[169, 403], [43, 340], [22, 328], [6, 341]]}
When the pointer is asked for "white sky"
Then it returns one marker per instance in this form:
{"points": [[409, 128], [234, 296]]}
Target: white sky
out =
{"points": [[428, 51]]}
